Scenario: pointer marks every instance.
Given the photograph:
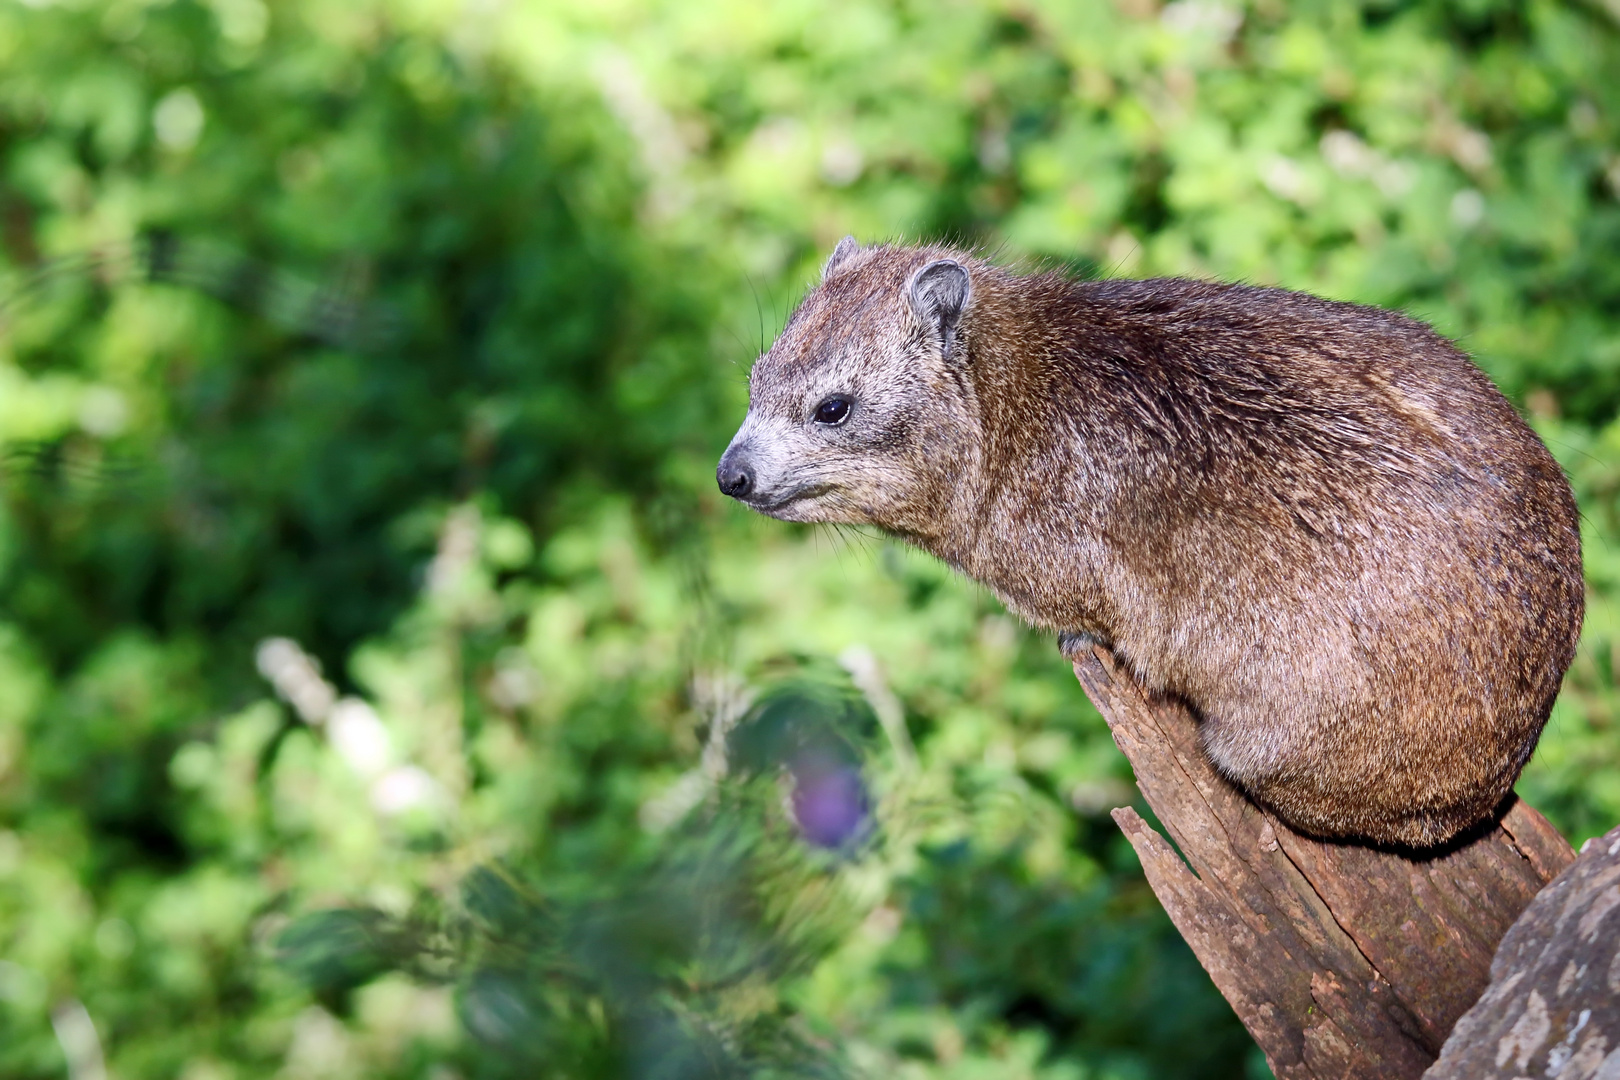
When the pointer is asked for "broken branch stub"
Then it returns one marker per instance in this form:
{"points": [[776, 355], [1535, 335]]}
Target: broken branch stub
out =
{"points": [[1342, 961]]}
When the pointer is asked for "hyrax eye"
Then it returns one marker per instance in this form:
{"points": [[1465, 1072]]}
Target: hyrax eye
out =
{"points": [[833, 411]]}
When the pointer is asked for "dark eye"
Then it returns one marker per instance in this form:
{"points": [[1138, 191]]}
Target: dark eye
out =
{"points": [[833, 411]]}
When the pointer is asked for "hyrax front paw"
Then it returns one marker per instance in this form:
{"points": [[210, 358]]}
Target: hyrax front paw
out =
{"points": [[1074, 644]]}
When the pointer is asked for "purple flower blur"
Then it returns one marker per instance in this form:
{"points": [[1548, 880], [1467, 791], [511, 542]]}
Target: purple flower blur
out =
{"points": [[829, 801]]}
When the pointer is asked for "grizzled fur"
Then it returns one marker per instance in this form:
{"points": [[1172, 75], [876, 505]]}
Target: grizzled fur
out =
{"points": [[1318, 524]]}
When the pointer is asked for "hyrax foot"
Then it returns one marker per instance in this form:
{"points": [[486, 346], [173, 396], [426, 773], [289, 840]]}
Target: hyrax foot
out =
{"points": [[1074, 644]]}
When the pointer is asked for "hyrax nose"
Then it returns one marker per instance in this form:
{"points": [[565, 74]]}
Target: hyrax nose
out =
{"points": [[735, 477]]}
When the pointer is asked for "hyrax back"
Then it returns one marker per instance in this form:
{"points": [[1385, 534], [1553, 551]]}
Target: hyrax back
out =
{"points": [[1317, 523]]}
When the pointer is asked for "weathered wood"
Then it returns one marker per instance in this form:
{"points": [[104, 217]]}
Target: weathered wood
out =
{"points": [[1342, 961], [1553, 1005]]}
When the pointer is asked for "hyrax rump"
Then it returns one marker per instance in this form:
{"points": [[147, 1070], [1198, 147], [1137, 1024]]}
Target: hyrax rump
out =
{"points": [[1318, 524]]}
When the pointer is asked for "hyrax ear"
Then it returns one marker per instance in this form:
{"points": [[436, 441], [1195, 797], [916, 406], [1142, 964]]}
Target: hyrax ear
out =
{"points": [[846, 247], [939, 294]]}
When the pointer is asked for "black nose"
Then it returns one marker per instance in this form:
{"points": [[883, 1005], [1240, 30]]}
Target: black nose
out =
{"points": [[736, 479]]}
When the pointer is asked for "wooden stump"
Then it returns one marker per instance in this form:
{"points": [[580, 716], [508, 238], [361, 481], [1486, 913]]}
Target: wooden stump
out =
{"points": [[1342, 961]]}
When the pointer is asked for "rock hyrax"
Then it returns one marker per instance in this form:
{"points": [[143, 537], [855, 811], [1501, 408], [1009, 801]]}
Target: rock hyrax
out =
{"points": [[1318, 524]]}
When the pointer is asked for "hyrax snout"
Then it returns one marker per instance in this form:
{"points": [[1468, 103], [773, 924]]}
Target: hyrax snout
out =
{"points": [[1319, 524]]}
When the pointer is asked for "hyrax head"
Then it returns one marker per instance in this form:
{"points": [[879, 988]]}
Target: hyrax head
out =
{"points": [[863, 412]]}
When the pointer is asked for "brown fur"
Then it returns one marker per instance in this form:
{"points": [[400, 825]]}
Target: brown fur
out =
{"points": [[1317, 523]]}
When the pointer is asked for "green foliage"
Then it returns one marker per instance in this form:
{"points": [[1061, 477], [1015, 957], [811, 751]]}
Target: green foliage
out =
{"points": [[448, 298], [384, 689]]}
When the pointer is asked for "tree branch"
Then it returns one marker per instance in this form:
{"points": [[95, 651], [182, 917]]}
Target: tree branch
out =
{"points": [[1553, 1006]]}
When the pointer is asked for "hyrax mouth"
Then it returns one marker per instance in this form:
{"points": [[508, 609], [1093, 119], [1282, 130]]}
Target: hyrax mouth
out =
{"points": [[799, 495]]}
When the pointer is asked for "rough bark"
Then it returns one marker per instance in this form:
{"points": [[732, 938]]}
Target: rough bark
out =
{"points": [[1342, 961], [1553, 1005]]}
